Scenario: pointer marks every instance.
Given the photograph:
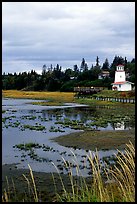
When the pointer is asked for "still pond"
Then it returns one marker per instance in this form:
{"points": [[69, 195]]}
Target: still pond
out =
{"points": [[27, 131]]}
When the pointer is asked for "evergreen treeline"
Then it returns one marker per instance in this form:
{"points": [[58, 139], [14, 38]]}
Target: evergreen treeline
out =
{"points": [[54, 79]]}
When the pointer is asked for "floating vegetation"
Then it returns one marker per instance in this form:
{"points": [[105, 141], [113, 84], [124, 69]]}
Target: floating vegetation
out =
{"points": [[8, 118], [27, 146], [36, 127], [75, 124], [31, 148], [13, 111], [16, 124], [10, 124], [44, 119], [29, 117], [47, 148], [100, 123], [4, 120], [54, 129]]}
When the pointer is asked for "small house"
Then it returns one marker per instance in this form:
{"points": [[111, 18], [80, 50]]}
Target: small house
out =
{"points": [[103, 75]]}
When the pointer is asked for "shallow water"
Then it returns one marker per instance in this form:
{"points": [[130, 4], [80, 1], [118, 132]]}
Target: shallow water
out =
{"points": [[22, 112]]}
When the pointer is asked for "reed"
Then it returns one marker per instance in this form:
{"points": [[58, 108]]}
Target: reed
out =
{"points": [[34, 190], [107, 183], [10, 195], [124, 173]]}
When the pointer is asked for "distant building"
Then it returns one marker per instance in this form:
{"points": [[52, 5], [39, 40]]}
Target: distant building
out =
{"points": [[72, 77], [120, 82], [103, 75]]}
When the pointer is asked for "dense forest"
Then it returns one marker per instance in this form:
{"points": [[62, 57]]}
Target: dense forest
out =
{"points": [[56, 79]]}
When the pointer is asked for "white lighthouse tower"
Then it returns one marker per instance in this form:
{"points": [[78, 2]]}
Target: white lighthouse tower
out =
{"points": [[120, 74], [120, 82]]}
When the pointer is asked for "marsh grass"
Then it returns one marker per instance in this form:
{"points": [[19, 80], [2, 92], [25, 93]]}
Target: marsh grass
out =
{"points": [[106, 184], [53, 98], [34, 189], [124, 173], [119, 185], [49, 103], [99, 139], [10, 194], [59, 98]]}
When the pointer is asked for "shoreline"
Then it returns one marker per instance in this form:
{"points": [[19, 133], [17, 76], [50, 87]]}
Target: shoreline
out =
{"points": [[104, 140], [44, 182], [100, 140]]}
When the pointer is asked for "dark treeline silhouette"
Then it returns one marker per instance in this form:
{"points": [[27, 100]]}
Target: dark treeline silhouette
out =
{"points": [[56, 79]]}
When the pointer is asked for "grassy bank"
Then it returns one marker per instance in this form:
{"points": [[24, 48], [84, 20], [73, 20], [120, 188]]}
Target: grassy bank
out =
{"points": [[59, 98], [116, 94], [102, 140], [43, 94], [53, 98], [65, 96]]}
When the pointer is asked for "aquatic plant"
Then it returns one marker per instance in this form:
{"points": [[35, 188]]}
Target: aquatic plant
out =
{"points": [[54, 129], [115, 184], [36, 127], [27, 146]]}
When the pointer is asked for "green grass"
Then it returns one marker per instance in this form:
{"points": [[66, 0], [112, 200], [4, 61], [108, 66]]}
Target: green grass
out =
{"points": [[116, 94], [59, 98], [97, 139]]}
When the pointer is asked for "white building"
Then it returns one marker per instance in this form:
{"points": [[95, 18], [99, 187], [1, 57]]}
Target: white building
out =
{"points": [[120, 82], [103, 75]]}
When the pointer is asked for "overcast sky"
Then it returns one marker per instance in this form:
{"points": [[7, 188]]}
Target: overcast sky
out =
{"points": [[37, 33]]}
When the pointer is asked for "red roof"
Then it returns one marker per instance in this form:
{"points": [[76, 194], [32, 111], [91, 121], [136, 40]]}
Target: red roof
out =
{"points": [[121, 82], [120, 65]]}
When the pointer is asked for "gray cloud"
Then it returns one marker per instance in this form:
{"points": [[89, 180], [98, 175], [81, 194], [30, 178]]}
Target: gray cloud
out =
{"points": [[65, 32]]}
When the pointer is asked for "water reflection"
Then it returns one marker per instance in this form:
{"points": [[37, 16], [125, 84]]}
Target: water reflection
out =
{"points": [[18, 114], [119, 126]]}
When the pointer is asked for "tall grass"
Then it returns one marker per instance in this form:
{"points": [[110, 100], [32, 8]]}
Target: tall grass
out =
{"points": [[52, 98], [124, 173], [59, 96], [34, 190], [31, 195], [107, 183]]}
